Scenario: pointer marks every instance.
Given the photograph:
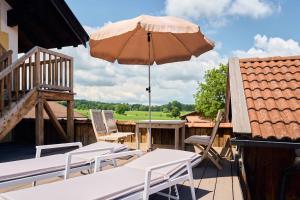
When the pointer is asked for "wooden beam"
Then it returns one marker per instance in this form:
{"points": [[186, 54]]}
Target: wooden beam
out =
{"points": [[15, 115], [54, 121], [240, 118], [52, 95], [39, 122], [70, 121]]}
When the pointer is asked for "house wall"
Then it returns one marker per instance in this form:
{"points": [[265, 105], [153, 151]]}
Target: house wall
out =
{"points": [[265, 167], [8, 35]]}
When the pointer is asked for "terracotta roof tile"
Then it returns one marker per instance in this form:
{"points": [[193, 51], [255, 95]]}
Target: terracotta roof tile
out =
{"points": [[272, 91]]}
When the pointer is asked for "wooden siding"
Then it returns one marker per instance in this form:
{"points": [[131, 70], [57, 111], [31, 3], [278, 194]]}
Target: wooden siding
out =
{"points": [[264, 169]]}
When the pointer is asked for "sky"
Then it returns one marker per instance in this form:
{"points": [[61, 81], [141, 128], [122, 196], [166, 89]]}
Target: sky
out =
{"points": [[242, 28]]}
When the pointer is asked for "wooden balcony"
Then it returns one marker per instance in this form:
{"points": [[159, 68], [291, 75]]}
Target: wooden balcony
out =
{"points": [[38, 76]]}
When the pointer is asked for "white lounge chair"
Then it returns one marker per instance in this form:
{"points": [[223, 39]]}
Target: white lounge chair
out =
{"points": [[31, 170], [138, 179], [204, 143], [105, 126]]}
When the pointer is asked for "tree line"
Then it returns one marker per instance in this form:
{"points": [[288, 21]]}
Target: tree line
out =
{"points": [[173, 107]]}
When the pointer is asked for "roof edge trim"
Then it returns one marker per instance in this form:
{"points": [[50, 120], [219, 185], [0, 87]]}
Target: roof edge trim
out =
{"points": [[240, 117]]}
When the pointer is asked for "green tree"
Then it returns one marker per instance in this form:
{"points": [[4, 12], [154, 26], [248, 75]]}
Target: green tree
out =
{"points": [[210, 95], [121, 108], [175, 112]]}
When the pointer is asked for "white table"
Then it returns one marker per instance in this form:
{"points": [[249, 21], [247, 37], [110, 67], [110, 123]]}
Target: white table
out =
{"points": [[161, 124]]}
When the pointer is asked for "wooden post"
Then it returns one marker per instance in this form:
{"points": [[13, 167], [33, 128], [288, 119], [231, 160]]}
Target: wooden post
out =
{"points": [[70, 120], [183, 137], [39, 122], [37, 70], [55, 122], [71, 74], [176, 138]]}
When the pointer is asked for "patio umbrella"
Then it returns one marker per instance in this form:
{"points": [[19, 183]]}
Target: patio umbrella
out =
{"points": [[146, 40]]}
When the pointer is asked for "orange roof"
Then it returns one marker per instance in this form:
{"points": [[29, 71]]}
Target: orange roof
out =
{"points": [[59, 110], [272, 92]]}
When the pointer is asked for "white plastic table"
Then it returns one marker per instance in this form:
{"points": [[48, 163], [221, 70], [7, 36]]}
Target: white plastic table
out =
{"points": [[161, 124]]}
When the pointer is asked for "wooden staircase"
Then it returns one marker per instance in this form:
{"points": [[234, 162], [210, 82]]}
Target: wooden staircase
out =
{"points": [[38, 76]]}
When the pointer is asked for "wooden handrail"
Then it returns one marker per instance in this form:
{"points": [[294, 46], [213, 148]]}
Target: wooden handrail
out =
{"points": [[15, 64]]}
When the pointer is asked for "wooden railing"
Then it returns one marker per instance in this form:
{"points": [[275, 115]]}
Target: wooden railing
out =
{"points": [[39, 69]]}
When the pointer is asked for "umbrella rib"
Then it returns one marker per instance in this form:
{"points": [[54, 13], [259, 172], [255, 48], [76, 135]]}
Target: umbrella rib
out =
{"points": [[181, 43], [122, 48]]}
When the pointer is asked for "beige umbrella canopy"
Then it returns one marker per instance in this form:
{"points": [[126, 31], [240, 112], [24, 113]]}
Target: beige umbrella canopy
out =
{"points": [[147, 39], [172, 39]]}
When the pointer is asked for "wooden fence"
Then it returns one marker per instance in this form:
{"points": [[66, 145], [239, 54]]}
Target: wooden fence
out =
{"points": [[83, 132]]}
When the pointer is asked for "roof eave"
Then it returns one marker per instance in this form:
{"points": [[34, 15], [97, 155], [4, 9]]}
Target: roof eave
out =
{"points": [[64, 10]]}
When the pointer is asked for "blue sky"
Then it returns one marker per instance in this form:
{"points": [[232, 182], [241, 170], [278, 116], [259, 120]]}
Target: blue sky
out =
{"points": [[241, 28]]}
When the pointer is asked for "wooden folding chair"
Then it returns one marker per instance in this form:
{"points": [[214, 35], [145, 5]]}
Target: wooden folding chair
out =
{"points": [[105, 127], [204, 143]]}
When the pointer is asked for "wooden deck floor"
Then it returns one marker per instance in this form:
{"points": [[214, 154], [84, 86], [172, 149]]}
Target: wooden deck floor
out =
{"points": [[210, 183]]}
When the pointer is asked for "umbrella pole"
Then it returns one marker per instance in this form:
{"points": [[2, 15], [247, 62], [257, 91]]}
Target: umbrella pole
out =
{"points": [[149, 93]]}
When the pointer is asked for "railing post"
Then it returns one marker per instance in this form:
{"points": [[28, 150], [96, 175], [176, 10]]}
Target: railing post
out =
{"points": [[39, 121], [9, 82], [71, 75], [37, 70]]}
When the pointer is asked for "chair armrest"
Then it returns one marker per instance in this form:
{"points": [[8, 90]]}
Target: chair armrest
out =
{"points": [[71, 154], [149, 170], [55, 146], [113, 156]]}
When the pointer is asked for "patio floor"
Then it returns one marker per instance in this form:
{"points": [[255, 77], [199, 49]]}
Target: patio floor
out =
{"points": [[210, 183]]}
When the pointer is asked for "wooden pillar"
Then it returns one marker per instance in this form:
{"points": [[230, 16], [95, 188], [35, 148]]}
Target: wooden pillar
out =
{"points": [[39, 122], [70, 120]]}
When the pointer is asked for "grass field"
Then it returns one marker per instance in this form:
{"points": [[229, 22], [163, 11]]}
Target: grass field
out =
{"points": [[136, 115]]}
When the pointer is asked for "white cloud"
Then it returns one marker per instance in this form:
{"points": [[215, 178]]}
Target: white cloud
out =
{"points": [[272, 46], [217, 12], [251, 8], [196, 8]]}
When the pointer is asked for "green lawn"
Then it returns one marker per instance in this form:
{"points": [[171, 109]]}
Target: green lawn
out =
{"points": [[137, 115]]}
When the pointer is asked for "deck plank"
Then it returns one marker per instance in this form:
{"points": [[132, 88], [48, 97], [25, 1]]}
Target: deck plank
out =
{"points": [[223, 189], [236, 186], [208, 183], [198, 173]]}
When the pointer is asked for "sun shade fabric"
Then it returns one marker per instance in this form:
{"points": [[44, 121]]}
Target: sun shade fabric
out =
{"points": [[47, 164], [108, 184], [172, 39]]}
